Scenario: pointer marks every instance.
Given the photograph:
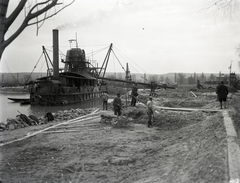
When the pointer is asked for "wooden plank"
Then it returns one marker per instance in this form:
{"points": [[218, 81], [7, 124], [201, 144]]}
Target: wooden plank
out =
{"points": [[186, 109], [76, 126], [69, 131], [193, 94], [233, 149], [61, 131], [76, 121]]}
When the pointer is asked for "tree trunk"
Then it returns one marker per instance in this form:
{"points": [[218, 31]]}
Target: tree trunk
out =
{"points": [[1, 52], [2, 43], [3, 28]]}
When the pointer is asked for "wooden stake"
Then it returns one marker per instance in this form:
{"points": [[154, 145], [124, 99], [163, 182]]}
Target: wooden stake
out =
{"points": [[193, 94]]}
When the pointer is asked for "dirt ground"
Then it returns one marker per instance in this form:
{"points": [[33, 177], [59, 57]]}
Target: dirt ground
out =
{"points": [[181, 147]]}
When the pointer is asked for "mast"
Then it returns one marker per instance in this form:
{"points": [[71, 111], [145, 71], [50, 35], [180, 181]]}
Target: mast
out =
{"points": [[128, 75], [106, 61]]}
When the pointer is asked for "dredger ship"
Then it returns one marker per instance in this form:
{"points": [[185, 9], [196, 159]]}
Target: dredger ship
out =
{"points": [[75, 84]]}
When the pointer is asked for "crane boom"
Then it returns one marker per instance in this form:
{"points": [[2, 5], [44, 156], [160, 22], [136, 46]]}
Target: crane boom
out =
{"points": [[150, 85]]}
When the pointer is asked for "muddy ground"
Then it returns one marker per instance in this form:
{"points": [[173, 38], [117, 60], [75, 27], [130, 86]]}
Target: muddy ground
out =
{"points": [[181, 147]]}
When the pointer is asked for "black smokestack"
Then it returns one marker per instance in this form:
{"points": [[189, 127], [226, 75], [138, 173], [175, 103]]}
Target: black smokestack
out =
{"points": [[55, 55]]}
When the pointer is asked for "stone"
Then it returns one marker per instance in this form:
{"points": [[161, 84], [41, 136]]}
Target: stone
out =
{"points": [[11, 126]]}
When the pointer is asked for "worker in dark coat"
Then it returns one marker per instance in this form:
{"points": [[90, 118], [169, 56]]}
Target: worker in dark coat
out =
{"points": [[134, 95], [222, 92], [117, 105], [217, 90]]}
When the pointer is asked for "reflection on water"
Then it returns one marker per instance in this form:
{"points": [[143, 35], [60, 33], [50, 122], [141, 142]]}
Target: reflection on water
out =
{"points": [[10, 109]]}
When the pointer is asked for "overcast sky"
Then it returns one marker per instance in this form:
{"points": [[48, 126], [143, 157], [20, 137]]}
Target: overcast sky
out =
{"points": [[155, 36]]}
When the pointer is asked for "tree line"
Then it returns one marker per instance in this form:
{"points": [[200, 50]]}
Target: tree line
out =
{"points": [[179, 78]]}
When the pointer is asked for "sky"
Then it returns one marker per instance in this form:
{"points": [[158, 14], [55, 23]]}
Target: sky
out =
{"points": [[152, 36]]}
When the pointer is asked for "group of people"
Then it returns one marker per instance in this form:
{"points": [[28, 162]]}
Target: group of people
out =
{"points": [[221, 90], [117, 104]]}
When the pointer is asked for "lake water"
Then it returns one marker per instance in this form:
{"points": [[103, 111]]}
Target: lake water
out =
{"points": [[10, 109]]}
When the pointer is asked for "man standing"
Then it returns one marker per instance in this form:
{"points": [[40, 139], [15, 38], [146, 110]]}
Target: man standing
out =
{"points": [[134, 95], [117, 105], [105, 100], [217, 90], [222, 92], [150, 111]]}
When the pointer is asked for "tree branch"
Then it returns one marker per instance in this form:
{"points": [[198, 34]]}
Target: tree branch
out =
{"points": [[47, 17], [46, 8], [30, 15], [15, 13], [14, 35]]}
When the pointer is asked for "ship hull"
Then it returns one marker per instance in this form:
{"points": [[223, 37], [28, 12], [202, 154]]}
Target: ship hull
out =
{"points": [[65, 99]]}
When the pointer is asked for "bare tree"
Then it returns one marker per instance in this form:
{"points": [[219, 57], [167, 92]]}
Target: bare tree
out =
{"points": [[202, 77], [35, 14], [161, 78], [119, 76], [181, 78], [133, 76], [167, 80], [225, 9], [238, 53], [222, 8], [211, 77], [153, 78]]}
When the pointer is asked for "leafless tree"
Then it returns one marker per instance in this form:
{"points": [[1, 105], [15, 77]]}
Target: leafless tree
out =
{"points": [[222, 8], [35, 11], [181, 78], [161, 78], [167, 80], [226, 9], [238, 52], [153, 78], [119, 76], [133, 76], [211, 77]]}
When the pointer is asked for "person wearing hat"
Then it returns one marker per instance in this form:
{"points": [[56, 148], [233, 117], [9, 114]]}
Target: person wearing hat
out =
{"points": [[150, 111], [222, 92], [117, 105]]}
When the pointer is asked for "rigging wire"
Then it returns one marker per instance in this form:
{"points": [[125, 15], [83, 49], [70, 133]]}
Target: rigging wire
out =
{"points": [[114, 67], [129, 59], [61, 53], [134, 68], [87, 54], [118, 60], [97, 51], [40, 69], [130, 64], [11, 73], [34, 68], [113, 51]]}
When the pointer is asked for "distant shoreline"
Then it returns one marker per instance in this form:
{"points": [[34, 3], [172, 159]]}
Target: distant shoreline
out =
{"points": [[13, 90]]}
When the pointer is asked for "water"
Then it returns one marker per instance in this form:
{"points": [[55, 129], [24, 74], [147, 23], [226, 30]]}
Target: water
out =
{"points": [[10, 109]]}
